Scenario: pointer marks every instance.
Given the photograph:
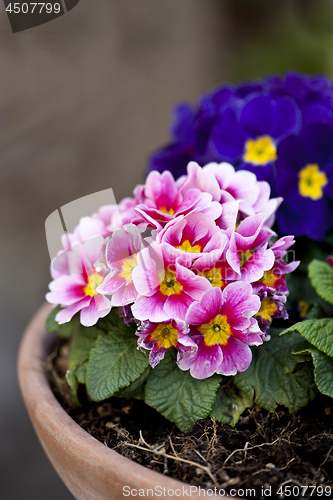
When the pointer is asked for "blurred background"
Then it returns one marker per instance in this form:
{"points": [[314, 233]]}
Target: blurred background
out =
{"points": [[84, 100]]}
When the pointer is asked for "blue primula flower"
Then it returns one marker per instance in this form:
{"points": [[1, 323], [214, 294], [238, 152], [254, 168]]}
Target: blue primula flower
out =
{"points": [[249, 136], [255, 126], [305, 181], [192, 128], [313, 95]]}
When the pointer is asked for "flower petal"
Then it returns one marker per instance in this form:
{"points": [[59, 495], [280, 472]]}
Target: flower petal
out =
{"points": [[67, 313], [204, 362], [237, 357]]}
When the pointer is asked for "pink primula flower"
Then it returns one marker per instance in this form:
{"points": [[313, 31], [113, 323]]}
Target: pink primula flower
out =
{"points": [[162, 199], [158, 337], [272, 306], [114, 217], [166, 288], [188, 261], [273, 279], [265, 204], [194, 234], [272, 286], [222, 326], [75, 287], [279, 249], [121, 256], [204, 181], [213, 267], [226, 185], [87, 229], [248, 255]]}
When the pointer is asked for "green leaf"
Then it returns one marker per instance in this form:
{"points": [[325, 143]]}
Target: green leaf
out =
{"points": [[319, 332], [111, 321], [73, 383], [65, 330], [81, 373], [323, 367], [321, 276], [293, 363], [269, 379], [177, 395], [84, 339], [51, 324], [315, 311], [229, 405], [136, 389], [75, 376], [114, 363]]}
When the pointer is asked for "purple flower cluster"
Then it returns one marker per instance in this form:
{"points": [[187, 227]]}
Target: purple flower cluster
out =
{"points": [[191, 261], [280, 128]]}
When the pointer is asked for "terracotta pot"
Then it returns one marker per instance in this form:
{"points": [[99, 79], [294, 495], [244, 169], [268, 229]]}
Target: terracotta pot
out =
{"points": [[90, 470]]}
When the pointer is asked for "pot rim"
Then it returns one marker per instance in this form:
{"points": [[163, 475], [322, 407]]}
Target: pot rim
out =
{"points": [[46, 413]]}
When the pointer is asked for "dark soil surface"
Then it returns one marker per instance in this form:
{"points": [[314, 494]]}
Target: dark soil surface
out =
{"points": [[276, 453]]}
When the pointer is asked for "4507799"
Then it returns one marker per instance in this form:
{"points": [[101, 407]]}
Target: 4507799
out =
{"points": [[300, 491], [33, 7]]}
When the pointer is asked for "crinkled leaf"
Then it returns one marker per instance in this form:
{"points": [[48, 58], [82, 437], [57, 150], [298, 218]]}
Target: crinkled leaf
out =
{"points": [[114, 363], [177, 395], [294, 362], [323, 367], [269, 380], [65, 330], [321, 276], [229, 405], [136, 389], [319, 332], [83, 341]]}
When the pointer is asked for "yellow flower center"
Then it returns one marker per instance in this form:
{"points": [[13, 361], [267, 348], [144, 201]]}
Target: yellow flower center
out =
{"points": [[186, 247], [267, 309], [269, 278], [244, 257], [311, 182], [214, 277], [217, 331], [260, 151], [166, 211], [94, 280], [170, 286], [165, 336], [127, 268]]}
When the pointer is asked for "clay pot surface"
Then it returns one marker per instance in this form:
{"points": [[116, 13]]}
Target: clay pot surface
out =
{"points": [[90, 470]]}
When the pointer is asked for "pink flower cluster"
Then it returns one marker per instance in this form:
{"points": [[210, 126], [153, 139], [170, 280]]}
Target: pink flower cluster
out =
{"points": [[192, 262]]}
